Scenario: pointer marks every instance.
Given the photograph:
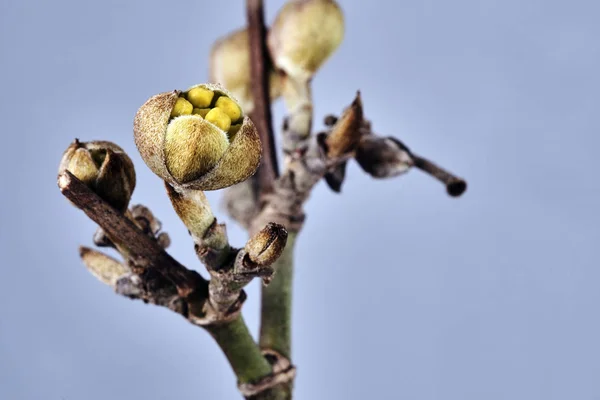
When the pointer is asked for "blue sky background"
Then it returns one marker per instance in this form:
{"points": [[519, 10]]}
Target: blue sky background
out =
{"points": [[490, 296]]}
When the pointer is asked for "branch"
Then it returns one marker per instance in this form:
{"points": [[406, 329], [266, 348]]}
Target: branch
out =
{"points": [[157, 278], [230, 268], [144, 252], [245, 358], [261, 116]]}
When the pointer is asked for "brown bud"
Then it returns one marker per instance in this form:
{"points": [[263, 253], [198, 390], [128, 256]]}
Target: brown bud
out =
{"points": [[383, 157], [104, 167], [345, 134], [305, 33], [230, 67], [266, 246], [193, 151]]}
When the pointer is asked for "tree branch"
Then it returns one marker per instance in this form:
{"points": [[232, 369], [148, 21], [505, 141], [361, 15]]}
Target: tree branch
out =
{"points": [[261, 116], [144, 252], [159, 279]]}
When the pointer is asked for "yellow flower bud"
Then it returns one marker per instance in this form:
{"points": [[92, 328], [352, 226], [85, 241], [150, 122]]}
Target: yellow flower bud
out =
{"points": [[229, 107], [230, 67], [192, 152], [104, 167], [182, 107], [219, 118], [305, 33], [200, 97]]}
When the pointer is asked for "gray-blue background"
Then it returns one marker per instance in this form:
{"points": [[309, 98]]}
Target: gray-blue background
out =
{"points": [[490, 296]]}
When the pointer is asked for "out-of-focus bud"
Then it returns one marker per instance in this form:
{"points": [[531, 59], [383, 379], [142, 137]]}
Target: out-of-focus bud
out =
{"points": [[266, 246], [305, 33], [105, 268], [345, 134], [230, 67], [104, 167], [383, 157], [215, 147]]}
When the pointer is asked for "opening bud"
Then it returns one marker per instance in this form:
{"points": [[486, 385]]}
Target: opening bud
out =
{"points": [[104, 167], [197, 139]]}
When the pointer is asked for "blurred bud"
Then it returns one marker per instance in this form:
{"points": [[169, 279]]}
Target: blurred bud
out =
{"points": [[383, 157], [105, 268], [104, 167], [345, 134], [266, 246], [305, 33], [197, 139], [230, 67], [335, 177]]}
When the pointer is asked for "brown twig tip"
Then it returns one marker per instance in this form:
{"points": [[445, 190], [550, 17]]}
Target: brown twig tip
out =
{"points": [[455, 186], [345, 134]]}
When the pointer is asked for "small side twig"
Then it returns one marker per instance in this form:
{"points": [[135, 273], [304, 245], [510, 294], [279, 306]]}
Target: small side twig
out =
{"points": [[455, 186]]}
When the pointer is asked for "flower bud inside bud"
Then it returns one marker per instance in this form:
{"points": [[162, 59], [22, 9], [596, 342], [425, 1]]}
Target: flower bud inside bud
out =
{"points": [[229, 107], [193, 147], [219, 118], [200, 97], [182, 107]]}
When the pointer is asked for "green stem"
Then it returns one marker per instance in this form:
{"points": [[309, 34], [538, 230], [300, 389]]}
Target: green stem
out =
{"points": [[276, 313], [241, 351]]}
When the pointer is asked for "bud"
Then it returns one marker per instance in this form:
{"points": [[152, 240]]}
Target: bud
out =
{"points": [[197, 139], [230, 67], [266, 246], [346, 134], [105, 268], [383, 157], [305, 33], [104, 167]]}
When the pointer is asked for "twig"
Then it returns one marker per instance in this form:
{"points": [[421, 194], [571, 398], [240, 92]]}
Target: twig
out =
{"points": [[261, 116], [231, 269], [455, 186], [159, 279], [144, 252]]}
